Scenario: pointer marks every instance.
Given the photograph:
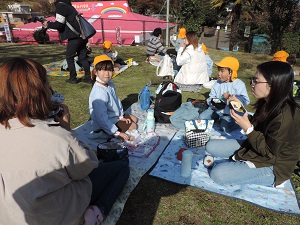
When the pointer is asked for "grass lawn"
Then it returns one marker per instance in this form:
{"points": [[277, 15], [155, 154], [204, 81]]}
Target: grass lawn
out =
{"points": [[156, 201]]}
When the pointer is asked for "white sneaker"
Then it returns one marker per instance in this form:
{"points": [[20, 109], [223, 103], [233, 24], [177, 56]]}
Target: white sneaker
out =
{"points": [[134, 63], [209, 84]]}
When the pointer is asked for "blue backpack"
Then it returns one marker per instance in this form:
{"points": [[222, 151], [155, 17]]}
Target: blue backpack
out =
{"points": [[144, 98]]}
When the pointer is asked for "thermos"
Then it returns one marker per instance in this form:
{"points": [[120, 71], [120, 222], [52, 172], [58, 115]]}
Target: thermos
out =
{"points": [[186, 163], [150, 123]]}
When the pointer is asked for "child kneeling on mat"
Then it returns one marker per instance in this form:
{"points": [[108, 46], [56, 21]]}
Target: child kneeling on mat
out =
{"points": [[106, 110]]}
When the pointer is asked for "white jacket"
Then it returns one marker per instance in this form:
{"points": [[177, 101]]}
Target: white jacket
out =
{"points": [[194, 68]]}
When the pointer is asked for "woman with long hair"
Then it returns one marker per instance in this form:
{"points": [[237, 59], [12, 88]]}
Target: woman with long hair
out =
{"points": [[47, 177], [269, 155], [191, 58]]}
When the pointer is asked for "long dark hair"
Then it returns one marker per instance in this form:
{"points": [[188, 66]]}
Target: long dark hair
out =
{"points": [[279, 76]]}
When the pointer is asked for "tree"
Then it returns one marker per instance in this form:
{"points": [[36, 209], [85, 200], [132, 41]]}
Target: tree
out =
{"points": [[281, 15], [235, 15], [194, 13]]}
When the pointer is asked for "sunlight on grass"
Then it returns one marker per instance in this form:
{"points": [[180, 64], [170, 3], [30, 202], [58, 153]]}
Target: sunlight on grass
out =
{"points": [[175, 204]]}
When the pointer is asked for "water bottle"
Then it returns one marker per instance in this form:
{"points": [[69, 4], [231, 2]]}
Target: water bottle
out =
{"points": [[144, 98], [150, 127], [186, 163]]}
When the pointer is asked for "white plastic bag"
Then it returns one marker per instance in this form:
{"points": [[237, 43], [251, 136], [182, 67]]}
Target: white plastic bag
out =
{"points": [[165, 67]]}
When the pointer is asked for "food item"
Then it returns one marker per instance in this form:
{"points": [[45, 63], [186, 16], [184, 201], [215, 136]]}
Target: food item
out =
{"points": [[179, 153], [238, 107], [208, 161], [218, 103]]}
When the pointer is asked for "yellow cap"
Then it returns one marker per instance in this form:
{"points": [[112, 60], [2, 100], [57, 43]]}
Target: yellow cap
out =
{"points": [[101, 58], [182, 33], [280, 56], [232, 63], [204, 49], [107, 45]]}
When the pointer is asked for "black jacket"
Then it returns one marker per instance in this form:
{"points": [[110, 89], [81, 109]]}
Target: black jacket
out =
{"points": [[65, 12]]}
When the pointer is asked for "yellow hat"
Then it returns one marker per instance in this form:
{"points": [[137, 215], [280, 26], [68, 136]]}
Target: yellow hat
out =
{"points": [[232, 63], [107, 45], [101, 58], [182, 33], [204, 49], [280, 56]]}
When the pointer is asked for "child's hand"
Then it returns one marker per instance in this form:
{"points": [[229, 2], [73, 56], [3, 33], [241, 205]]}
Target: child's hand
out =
{"points": [[226, 95], [127, 121], [124, 136]]}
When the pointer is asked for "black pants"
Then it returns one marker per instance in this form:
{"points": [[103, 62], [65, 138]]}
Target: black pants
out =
{"points": [[77, 47], [108, 181]]}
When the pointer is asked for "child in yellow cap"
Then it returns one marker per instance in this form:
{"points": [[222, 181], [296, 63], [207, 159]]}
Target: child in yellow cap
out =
{"points": [[228, 87], [280, 56], [106, 110], [209, 61], [176, 43], [108, 50]]}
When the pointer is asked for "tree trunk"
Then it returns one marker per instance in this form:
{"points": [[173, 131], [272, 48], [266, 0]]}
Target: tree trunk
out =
{"points": [[236, 14]]}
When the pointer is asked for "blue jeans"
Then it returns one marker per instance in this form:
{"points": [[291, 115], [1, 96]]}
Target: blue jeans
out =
{"points": [[228, 172], [226, 122], [108, 180]]}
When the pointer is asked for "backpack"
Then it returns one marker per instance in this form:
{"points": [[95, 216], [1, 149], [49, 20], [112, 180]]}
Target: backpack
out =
{"points": [[167, 101]]}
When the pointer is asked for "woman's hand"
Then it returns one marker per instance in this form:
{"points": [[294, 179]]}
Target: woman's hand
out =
{"points": [[242, 121], [64, 117]]}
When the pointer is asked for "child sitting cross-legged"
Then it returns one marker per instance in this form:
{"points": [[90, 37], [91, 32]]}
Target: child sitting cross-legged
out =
{"points": [[105, 107], [227, 88]]}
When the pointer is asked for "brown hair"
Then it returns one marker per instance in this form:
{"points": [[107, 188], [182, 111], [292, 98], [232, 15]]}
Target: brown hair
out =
{"points": [[24, 91], [192, 38]]}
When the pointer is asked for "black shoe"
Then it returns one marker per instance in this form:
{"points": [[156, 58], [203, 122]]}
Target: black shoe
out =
{"points": [[87, 80], [73, 81]]}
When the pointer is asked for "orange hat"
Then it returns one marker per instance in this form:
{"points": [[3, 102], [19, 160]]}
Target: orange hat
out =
{"points": [[204, 49], [280, 56], [101, 58], [182, 33], [107, 45], [232, 63]]}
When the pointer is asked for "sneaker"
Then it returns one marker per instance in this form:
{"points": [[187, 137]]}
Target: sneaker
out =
{"points": [[87, 80], [134, 63], [209, 84], [73, 81]]}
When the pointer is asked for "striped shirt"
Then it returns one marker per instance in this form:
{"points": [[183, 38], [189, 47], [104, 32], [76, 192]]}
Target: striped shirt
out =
{"points": [[154, 46]]}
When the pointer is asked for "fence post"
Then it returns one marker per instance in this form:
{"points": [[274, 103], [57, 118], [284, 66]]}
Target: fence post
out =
{"points": [[144, 33], [218, 36], [102, 24]]}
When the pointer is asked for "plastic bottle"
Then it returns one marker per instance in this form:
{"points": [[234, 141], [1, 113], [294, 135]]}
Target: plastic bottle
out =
{"points": [[186, 163], [144, 98], [150, 121], [295, 89]]}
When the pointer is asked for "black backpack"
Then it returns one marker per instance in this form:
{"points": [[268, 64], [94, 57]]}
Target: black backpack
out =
{"points": [[166, 102]]}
